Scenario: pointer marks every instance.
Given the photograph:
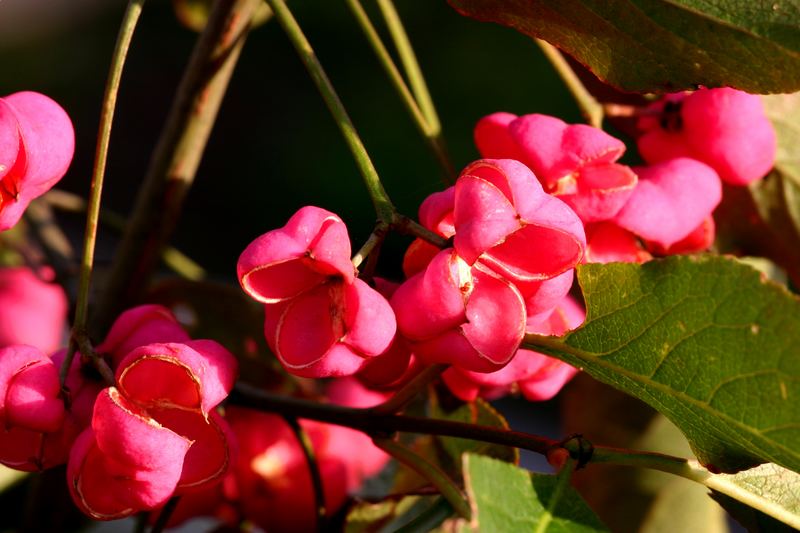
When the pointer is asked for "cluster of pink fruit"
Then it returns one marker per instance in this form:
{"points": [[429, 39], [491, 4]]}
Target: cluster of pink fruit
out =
{"points": [[157, 433], [129, 446], [547, 197]]}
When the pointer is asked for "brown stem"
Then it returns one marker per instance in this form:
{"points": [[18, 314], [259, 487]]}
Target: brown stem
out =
{"points": [[164, 516], [87, 351], [174, 163], [407, 226], [381, 425], [410, 390]]}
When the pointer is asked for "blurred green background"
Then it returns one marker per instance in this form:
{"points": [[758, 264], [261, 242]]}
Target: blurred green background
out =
{"points": [[274, 147]]}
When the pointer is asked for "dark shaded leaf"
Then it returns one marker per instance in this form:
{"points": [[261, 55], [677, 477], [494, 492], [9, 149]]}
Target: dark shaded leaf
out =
{"points": [[706, 341], [664, 45]]}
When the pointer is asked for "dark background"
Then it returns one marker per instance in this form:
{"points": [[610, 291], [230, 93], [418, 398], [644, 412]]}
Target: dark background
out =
{"points": [[274, 147]]}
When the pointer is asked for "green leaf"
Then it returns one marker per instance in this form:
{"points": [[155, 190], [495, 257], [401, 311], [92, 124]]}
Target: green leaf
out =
{"points": [[706, 341], [507, 498], [752, 520], [664, 45], [766, 489]]}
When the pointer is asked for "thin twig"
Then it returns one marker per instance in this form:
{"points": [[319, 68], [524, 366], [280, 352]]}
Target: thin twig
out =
{"points": [[374, 241], [126, 30], [418, 85], [380, 199], [164, 516], [173, 258], [403, 224], [438, 478], [176, 158], [591, 109], [410, 64], [428, 126], [313, 470], [382, 425], [410, 390], [87, 351]]}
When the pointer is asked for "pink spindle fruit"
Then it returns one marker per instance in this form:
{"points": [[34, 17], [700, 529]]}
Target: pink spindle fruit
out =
{"points": [[576, 163], [144, 324], [331, 330], [464, 315], [270, 482], [320, 320], [537, 376], [724, 128], [155, 434], [606, 242], [32, 311], [671, 199], [32, 411], [369, 460], [36, 146], [308, 251], [503, 218]]}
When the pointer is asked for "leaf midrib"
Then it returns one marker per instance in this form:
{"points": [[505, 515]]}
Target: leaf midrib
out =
{"points": [[555, 346]]}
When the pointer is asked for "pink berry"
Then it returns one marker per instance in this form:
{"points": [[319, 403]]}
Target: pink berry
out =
{"points": [[606, 242], [29, 390], [330, 330], [126, 462], [724, 128], [370, 459], [156, 433], [34, 434], [32, 311], [144, 324], [466, 316], [36, 146], [504, 219], [320, 319], [537, 376], [270, 482], [312, 247], [541, 297], [196, 375], [671, 199], [576, 163], [397, 364], [699, 240]]}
